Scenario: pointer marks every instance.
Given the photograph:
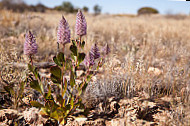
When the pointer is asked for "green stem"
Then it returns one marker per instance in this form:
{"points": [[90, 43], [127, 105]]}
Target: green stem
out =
{"points": [[30, 56], [63, 48]]}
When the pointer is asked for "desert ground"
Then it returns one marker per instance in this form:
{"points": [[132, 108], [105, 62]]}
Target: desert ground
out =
{"points": [[145, 80]]}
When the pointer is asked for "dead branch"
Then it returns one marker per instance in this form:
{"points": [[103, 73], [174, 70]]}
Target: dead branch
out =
{"points": [[43, 65]]}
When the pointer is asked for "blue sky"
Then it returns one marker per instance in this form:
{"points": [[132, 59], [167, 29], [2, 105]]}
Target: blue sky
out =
{"points": [[123, 6]]}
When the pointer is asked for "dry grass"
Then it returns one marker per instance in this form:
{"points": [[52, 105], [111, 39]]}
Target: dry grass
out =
{"points": [[137, 43]]}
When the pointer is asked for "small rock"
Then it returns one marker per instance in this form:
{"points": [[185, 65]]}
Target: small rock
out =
{"points": [[155, 71], [79, 73], [31, 116], [80, 119]]}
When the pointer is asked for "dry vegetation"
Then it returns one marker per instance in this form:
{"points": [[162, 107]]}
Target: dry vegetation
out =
{"points": [[150, 57]]}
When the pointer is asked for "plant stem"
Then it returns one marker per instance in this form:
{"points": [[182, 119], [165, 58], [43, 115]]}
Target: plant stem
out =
{"points": [[30, 56], [57, 47], [63, 48], [80, 37]]}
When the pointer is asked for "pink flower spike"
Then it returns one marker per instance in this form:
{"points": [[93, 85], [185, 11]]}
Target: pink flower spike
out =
{"points": [[81, 26], [30, 46], [95, 51], [63, 33]]}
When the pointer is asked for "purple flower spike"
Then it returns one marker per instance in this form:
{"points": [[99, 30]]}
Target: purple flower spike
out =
{"points": [[95, 51], [81, 26], [89, 60], [106, 49], [63, 33], [30, 46]]}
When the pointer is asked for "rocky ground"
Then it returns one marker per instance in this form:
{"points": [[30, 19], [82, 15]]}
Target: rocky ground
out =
{"points": [[115, 112]]}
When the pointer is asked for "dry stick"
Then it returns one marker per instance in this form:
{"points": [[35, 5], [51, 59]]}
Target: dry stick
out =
{"points": [[40, 65]]}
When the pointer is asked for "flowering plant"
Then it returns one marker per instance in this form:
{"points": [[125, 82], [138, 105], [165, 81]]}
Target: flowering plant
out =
{"points": [[67, 100]]}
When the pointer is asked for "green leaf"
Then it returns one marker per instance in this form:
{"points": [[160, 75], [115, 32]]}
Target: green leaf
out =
{"points": [[35, 85], [36, 104], [61, 57], [56, 71], [73, 57], [30, 67], [59, 99], [54, 115], [54, 106], [68, 64], [72, 102], [81, 57], [43, 112], [74, 42], [34, 70], [56, 61], [55, 80], [21, 90], [47, 95], [67, 107], [64, 87], [73, 49], [83, 44], [72, 79], [36, 74], [79, 91], [84, 87], [82, 106], [89, 78]]}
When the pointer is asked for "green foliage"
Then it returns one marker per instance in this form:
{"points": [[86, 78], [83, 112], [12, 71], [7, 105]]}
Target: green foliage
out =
{"points": [[147, 10], [68, 99]]}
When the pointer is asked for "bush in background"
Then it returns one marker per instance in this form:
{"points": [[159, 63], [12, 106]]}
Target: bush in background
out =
{"points": [[147, 10], [20, 6], [97, 9]]}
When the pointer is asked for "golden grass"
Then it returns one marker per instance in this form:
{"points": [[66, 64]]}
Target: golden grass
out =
{"points": [[138, 42]]}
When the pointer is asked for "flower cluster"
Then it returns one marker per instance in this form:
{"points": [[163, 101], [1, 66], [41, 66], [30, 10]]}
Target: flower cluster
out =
{"points": [[95, 54], [95, 51], [63, 33], [92, 55], [80, 27], [30, 46]]}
